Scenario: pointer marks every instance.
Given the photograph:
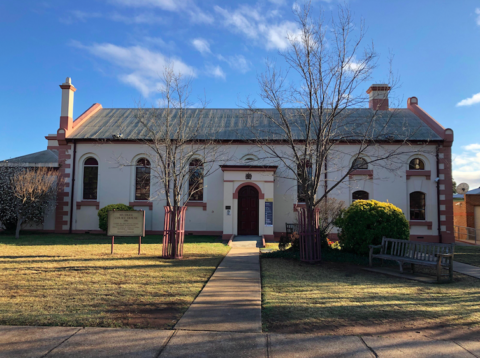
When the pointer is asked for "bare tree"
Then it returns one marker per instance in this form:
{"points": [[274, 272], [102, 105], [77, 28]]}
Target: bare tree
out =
{"points": [[27, 194], [316, 107], [182, 139]]}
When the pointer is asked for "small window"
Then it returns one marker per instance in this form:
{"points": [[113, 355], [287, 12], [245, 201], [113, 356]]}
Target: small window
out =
{"points": [[90, 179], [360, 163], [195, 182], [416, 164], [249, 159], [303, 176], [359, 195], [142, 179], [417, 205]]}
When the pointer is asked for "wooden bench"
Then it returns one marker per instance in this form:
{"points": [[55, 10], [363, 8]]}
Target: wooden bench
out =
{"points": [[416, 253]]}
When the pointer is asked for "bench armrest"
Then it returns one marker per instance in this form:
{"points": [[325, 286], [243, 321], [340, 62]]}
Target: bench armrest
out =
{"points": [[374, 246]]}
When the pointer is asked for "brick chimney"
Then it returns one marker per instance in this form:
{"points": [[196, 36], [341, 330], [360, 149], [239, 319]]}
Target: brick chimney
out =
{"points": [[66, 113], [378, 94]]}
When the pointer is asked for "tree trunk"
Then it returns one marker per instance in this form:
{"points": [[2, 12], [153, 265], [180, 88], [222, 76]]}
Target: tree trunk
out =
{"points": [[310, 241], [18, 228]]}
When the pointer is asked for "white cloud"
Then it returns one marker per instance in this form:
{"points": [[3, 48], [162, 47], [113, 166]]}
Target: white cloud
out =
{"points": [[466, 166], [469, 101], [251, 23], [142, 18], [475, 147], [145, 18], [201, 45], [215, 71], [236, 62], [141, 67], [477, 11], [352, 65], [180, 6]]}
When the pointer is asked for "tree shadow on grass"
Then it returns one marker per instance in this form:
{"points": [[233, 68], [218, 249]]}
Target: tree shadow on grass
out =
{"points": [[186, 261], [342, 299], [93, 239]]}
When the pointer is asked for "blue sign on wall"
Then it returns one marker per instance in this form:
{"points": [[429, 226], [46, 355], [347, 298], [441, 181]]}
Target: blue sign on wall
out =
{"points": [[268, 213]]}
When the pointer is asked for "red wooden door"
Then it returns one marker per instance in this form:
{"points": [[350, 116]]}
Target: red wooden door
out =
{"points": [[248, 211]]}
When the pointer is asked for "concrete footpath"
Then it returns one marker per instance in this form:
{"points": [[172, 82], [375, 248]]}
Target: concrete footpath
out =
{"points": [[231, 301], [466, 269], [48, 342]]}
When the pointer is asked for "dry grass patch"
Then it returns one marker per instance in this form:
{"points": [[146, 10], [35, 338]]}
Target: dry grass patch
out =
{"points": [[78, 283], [340, 298]]}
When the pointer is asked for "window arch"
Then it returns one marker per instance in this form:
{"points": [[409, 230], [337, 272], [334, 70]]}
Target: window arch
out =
{"points": [[142, 179], [416, 164], [195, 180], [417, 205], [359, 195], [304, 172], [90, 179], [360, 163]]}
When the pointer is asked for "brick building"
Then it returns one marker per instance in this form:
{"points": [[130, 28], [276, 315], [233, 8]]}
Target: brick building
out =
{"points": [[466, 214]]}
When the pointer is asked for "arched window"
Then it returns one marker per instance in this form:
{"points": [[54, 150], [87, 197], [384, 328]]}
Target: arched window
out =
{"points": [[360, 163], [142, 179], [90, 179], [416, 164], [195, 182], [359, 195], [304, 173], [417, 205]]}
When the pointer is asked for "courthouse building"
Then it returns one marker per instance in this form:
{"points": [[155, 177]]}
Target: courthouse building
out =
{"points": [[84, 152]]}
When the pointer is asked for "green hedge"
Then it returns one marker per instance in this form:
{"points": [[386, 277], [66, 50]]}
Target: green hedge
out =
{"points": [[103, 214], [365, 222]]}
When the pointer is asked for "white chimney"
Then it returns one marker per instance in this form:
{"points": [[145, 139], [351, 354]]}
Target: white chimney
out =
{"points": [[66, 113]]}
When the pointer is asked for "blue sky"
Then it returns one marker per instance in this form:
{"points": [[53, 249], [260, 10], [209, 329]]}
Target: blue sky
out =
{"points": [[114, 50]]}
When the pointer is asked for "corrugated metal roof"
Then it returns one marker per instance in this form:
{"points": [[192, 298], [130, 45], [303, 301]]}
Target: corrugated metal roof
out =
{"points": [[237, 124], [44, 158], [473, 191]]}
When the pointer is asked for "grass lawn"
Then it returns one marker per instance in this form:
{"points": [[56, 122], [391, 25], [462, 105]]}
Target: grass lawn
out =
{"points": [[468, 254], [72, 280], [341, 298]]}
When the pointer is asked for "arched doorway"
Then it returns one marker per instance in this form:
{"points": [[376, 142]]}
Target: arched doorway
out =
{"points": [[248, 211]]}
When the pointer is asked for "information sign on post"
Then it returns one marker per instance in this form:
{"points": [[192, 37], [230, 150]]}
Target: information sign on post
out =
{"points": [[268, 212], [126, 223]]}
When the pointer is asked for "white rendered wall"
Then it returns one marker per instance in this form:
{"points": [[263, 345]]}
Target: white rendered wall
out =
{"points": [[116, 185]]}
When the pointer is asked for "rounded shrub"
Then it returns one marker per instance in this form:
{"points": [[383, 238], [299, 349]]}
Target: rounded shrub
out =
{"points": [[103, 214], [365, 222]]}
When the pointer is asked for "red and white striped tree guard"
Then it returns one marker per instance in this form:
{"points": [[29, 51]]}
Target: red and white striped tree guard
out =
{"points": [[173, 235]]}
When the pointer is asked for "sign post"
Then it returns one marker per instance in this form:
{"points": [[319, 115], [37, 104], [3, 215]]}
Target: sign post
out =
{"points": [[126, 223]]}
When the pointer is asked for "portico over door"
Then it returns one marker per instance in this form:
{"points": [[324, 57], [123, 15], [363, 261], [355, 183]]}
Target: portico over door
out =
{"points": [[248, 211]]}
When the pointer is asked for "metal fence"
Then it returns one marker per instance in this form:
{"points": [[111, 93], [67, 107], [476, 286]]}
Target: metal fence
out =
{"points": [[463, 233]]}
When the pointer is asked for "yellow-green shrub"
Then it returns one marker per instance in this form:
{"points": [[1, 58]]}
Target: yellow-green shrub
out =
{"points": [[365, 222]]}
